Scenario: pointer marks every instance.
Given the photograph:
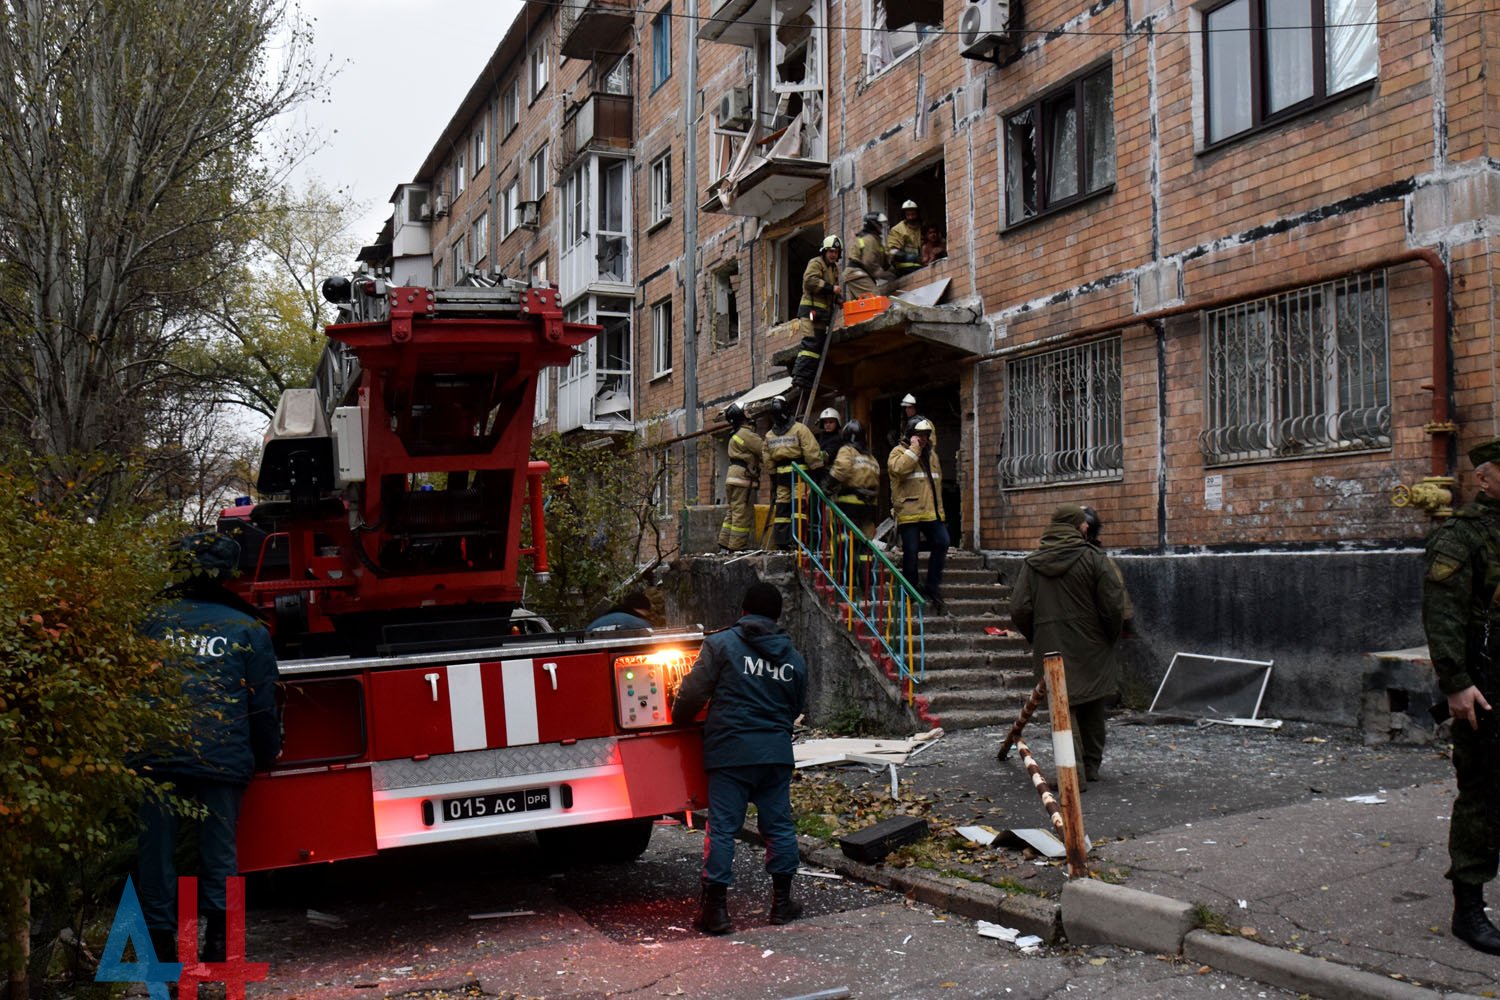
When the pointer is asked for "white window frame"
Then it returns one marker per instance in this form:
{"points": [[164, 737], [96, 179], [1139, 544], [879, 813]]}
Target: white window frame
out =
{"points": [[510, 108], [661, 338], [537, 273], [460, 258], [661, 188], [886, 47], [537, 169], [1299, 374], [725, 306], [510, 208], [479, 237], [536, 71], [481, 149], [460, 175], [543, 396], [1064, 416]]}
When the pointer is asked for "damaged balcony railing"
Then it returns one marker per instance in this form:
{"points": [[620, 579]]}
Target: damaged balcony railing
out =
{"points": [[833, 550]]}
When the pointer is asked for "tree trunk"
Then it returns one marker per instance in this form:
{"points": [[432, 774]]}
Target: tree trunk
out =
{"points": [[17, 911]]}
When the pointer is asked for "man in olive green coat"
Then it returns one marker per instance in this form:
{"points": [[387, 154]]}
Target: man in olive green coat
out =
{"points": [[1461, 614], [1069, 599]]}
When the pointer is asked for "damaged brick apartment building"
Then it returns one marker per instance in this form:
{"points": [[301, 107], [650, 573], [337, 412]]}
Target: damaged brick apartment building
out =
{"points": [[1222, 270]]}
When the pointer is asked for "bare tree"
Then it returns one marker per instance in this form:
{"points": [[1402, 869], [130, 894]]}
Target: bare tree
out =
{"points": [[135, 152]]}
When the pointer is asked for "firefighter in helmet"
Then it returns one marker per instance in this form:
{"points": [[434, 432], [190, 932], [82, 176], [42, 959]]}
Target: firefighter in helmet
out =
{"points": [[829, 433], [789, 443], [905, 240], [868, 261], [917, 503], [856, 474], [745, 450], [821, 293]]}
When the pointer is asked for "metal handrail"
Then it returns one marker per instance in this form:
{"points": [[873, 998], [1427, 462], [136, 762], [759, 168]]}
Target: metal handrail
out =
{"points": [[872, 588]]}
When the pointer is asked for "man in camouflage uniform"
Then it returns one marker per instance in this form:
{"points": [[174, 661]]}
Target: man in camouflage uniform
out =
{"points": [[1461, 614], [743, 479]]}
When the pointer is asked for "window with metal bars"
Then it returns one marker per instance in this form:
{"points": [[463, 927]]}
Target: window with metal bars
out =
{"points": [[1063, 416], [1302, 373]]}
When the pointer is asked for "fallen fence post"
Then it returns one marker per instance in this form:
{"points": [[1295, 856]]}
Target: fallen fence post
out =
{"points": [[1067, 765], [1027, 711], [1049, 801]]}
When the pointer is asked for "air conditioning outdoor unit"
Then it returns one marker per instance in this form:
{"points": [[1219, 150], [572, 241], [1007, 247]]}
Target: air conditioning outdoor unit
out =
{"points": [[440, 207], [983, 24], [735, 108], [530, 213]]}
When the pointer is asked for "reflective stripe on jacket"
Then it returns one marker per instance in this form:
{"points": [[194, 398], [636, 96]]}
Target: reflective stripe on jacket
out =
{"points": [[795, 444], [916, 490]]}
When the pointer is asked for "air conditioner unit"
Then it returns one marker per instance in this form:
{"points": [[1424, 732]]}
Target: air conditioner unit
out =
{"points": [[530, 213], [735, 108], [983, 24], [440, 209], [424, 214]]}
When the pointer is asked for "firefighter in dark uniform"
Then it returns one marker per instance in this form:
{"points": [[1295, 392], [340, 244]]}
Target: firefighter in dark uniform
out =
{"points": [[236, 731], [788, 442], [905, 240], [820, 296], [742, 482], [1461, 615], [868, 260], [754, 683], [857, 475]]}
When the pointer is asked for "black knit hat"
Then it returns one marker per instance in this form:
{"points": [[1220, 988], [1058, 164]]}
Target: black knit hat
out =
{"points": [[762, 599]]}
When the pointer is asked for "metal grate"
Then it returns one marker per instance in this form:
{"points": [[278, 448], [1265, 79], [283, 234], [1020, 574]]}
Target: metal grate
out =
{"points": [[1302, 373], [1062, 416]]}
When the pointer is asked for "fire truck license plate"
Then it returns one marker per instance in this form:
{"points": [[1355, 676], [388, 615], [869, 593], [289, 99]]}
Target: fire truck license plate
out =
{"points": [[499, 804]]}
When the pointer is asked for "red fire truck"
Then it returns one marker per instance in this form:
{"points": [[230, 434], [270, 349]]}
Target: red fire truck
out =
{"points": [[420, 704]]}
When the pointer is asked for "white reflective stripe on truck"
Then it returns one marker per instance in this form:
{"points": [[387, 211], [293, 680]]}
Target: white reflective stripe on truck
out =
{"points": [[466, 707]]}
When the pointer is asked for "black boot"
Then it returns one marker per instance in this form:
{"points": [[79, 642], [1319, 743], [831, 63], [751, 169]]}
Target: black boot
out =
{"points": [[1470, 925], [713, 909], [784, 909], [213, 936]]}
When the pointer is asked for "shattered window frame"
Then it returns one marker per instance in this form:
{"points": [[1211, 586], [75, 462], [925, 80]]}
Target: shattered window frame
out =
{"points": [[886, 47], [1053, 156]]}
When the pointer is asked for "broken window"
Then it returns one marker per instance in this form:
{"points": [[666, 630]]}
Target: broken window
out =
{"points": [[726, 309], [1061, 148], [897, 29]]}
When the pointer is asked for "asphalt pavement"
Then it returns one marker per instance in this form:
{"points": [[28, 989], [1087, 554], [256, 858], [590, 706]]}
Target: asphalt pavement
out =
{"points": [[1301, 857]]}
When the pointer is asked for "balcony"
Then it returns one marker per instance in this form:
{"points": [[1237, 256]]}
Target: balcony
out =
{"points": [[766, 173], [595, 27], [599, 122]]}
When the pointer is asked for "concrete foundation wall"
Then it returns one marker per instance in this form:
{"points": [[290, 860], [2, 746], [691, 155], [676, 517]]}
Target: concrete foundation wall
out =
{"points": [[845, 687], [1316, 614]]}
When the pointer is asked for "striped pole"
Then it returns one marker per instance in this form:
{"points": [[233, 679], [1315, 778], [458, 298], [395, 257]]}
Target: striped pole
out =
{"points": [[1029, 709], [1054, 811], [1067, 765]]}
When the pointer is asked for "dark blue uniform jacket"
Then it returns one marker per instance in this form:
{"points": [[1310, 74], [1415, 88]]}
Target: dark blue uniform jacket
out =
{"points": [[755, 685], [236, 725], [615, 621]]}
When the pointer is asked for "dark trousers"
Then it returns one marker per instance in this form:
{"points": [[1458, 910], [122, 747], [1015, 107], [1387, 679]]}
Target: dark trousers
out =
{"points": [[157, 846], [1089, 733], [1474, 826], [730, 789], [935, 533]]}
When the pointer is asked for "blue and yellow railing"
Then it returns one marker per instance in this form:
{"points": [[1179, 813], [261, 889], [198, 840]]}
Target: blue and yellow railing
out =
{"points": [[877, 603]]}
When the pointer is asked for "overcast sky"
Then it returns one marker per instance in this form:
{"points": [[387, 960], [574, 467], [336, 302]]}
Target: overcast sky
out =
{"points": [[403, 66]]}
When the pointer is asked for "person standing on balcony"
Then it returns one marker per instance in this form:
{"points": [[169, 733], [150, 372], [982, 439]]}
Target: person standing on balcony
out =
{"points": [[905, 240], [743, 481], [917, 503], [856, 475], [868, 261], [789, 443], [754, 683], [1069, 598], [821, 293]]}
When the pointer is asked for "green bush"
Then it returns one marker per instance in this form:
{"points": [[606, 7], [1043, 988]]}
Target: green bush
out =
{"points": [[80, 689]]}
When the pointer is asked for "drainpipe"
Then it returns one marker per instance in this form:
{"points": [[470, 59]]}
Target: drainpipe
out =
{"points": [[1432, 493], [690, 255]]}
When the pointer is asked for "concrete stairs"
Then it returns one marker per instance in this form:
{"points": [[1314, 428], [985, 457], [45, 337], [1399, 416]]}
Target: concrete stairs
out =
{"points": [[971, 678]]}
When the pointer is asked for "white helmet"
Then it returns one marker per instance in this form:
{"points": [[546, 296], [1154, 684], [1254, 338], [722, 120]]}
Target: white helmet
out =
{"points": [[830, 414], [908, 203], [908, 400]]}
